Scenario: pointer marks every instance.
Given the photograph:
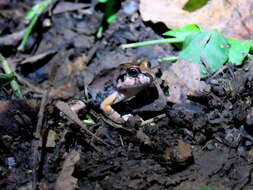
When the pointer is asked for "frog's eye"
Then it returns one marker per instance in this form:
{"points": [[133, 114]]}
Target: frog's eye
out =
{"points": [[133, 72]]}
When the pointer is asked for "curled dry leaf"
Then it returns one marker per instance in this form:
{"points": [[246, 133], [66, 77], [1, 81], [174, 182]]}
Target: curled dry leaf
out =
{"points": [[63, 91], [66, 181], [231, 17], [183, 79], [62, 7]]}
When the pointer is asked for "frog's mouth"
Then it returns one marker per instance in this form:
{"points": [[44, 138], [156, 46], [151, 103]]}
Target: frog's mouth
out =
{"points": [[141, 80]]}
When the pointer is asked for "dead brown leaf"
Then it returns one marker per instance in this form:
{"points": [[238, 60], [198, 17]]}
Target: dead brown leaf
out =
{"points": [[62, 7], [66, 181], [183, 79], [231, 17], [64, 91]]}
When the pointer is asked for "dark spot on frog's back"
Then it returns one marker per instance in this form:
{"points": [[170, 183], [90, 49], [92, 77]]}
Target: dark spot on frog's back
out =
{"points": [[100, 96]]}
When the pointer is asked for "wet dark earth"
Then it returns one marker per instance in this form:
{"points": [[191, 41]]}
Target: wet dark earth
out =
{"points": [[205, 143]]}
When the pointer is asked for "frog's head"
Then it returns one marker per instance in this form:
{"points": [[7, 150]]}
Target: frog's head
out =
{"points": [[135, 76]]}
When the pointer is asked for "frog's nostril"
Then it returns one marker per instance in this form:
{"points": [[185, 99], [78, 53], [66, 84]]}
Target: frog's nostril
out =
{"points": [[132, 72]]}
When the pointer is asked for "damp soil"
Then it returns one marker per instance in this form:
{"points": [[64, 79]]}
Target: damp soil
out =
{"points": [[205, 143]]}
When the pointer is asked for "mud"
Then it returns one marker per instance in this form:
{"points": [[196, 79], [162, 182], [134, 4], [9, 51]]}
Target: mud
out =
{"points": [[206, 143]]}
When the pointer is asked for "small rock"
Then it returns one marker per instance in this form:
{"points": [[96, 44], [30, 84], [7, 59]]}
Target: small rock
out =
{"points": [[249, 118], [181, 153], [51, 139], [143, 137]]}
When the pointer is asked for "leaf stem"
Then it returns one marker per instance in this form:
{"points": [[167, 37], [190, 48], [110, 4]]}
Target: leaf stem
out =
{"points": [[171, 59], [152, 42], [14, 85], [27, 33]]}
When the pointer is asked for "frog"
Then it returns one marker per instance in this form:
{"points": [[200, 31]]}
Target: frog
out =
{"points": [[122, 84]]}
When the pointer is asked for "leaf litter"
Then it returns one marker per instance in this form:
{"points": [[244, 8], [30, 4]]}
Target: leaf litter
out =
{"points": [[206, 144], [232, 18], [183, 79]]}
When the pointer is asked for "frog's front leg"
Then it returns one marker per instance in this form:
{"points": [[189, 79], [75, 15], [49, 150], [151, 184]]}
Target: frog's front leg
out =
{"points": [[106, 107]]}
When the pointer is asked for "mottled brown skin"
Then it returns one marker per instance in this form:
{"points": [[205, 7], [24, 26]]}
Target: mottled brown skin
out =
{"points": [[119, 84]]}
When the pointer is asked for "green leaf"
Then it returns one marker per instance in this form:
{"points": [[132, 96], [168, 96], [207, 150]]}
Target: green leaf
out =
{"points": [[209, 49], [111, 18], [88, 120], [6, 76], [193, 5], [215, 53], [193, 46], [183, 32], [206, 188], [5, 79], [238, 50]]}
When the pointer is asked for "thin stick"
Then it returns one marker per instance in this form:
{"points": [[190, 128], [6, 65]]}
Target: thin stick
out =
{"points": [[38, 138], [72, 116], [153, 119]]}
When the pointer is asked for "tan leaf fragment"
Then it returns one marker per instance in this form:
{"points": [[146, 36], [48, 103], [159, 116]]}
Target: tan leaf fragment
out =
{"points": [[230, 17], [183, 79], [66, 181]]}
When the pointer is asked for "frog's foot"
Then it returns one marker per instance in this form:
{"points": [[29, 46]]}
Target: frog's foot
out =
{"points": [[115, 116], [126, 116]]}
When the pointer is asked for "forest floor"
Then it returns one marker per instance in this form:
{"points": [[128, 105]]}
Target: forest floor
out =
{"points": [[205, 143]]}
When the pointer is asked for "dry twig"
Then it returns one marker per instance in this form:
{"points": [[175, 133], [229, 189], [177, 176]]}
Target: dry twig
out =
{"points": [[73, 117], [38, 139]]}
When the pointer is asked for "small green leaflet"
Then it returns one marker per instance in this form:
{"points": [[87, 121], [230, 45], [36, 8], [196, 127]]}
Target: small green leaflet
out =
{"points": [[111, 18], [193, 5], [88, 120], [182, 33], [238, 50], [5, 78]]}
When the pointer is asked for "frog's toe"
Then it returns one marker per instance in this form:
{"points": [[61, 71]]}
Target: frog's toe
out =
{"points": [[126, 116]]}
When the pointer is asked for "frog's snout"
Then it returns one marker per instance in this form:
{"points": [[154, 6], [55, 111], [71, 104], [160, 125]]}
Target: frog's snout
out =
{"points": [[145, 79], [141, 80]]}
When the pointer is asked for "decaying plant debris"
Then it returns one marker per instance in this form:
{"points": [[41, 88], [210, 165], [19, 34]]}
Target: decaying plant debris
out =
{"points": [[201, 139]]}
